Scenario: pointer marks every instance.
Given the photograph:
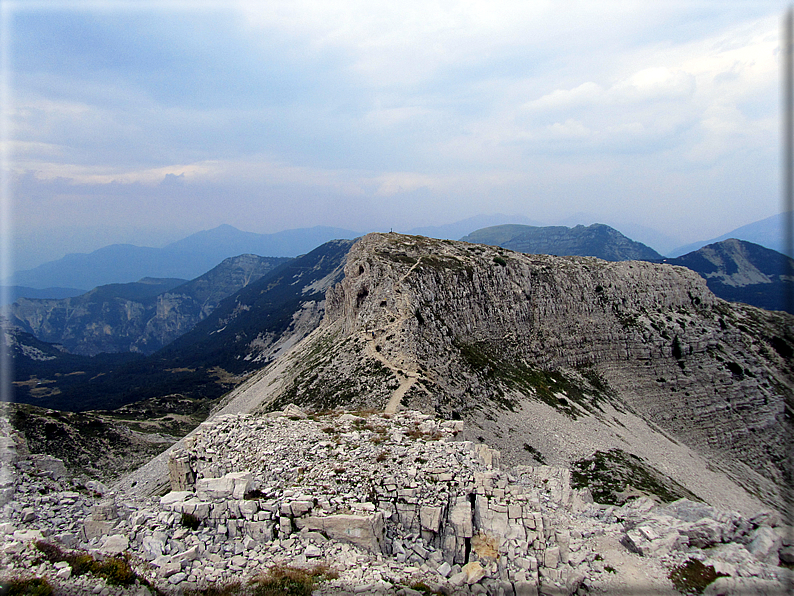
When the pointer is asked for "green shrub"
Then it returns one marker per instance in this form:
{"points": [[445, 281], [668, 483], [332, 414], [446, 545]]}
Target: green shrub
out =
{"points": [[233, 589], [81, 564], [116, 571], [500, 261], [291, 581], [32, 586]]}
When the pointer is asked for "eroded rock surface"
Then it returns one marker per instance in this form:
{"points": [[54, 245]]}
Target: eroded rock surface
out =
{"points": [[388, 502]]}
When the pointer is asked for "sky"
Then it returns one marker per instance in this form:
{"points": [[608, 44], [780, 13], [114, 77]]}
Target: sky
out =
{"points": [[143, 122]]}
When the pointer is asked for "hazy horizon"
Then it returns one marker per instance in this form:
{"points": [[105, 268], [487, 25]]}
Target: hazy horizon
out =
{"points": [[145, 122]]}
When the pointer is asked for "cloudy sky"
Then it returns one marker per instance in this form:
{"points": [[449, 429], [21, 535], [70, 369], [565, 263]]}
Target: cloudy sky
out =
{"points": [[143, 122]]}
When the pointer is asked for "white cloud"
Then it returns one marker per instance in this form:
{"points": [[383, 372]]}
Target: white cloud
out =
{"points": [[570, 129], [504, 100]]}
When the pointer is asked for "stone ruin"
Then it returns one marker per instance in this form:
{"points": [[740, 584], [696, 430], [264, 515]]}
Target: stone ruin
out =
{"points": [[389, 502]]}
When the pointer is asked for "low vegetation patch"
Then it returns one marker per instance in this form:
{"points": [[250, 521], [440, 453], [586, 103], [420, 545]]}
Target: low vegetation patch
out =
{"points": [[291, 581], [190, 521], [611, 474], [693, 576], [423, 588], [537, 455], [549, 386], [30, 586], [115, 570], [233, 589]]}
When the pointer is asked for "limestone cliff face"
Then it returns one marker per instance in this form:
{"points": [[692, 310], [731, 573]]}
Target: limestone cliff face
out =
{"points": [[138, 317], [489, 335]]}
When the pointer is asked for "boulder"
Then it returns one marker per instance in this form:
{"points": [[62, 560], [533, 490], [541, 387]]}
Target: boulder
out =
{"points": [[180, 472], [28, 535], [688, 511], [765, 545], [474, 572], [293, 411], [176, 496], [460, 518], [525, 588], [50, 464], [115, 544], [96, 529], [430, 518], [97, 487], [105, 510], [704, 533], [366, 532], [154, 545], [234, 485]]}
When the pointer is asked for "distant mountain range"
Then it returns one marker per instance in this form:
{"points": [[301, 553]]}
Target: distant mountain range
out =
{"points": [[740, 271], [187, 258], [9, 294], [192, 256], [242, 334], [459, 229], [147, 315], [596, 240], [766, 232], [141, 316], [249, 328]]}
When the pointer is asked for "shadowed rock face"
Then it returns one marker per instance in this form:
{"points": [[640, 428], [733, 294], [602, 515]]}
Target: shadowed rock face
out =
{"points": [[741, 271], [485, 334], [137, 317]]}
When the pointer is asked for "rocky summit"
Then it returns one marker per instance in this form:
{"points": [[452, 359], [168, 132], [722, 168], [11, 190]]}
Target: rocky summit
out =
{"points": [[382, 504], [549, 359], [463, 420]]}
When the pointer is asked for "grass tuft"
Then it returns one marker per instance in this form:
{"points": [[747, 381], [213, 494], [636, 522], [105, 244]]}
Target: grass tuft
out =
{"points": [[115, 570], [291, 581], [30, 586]]}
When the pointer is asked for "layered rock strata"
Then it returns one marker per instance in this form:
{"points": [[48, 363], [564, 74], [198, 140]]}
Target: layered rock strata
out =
{"points": [[477, 332]]}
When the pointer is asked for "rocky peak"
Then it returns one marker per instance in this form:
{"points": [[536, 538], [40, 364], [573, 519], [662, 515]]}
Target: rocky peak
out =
{"points": [[500, 339]]}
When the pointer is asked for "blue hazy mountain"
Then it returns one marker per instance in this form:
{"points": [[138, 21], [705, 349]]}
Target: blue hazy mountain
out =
{"points": [[766, 232], [459, 229], [140, 316], [187, 258], [596, 240], [10, 294]]}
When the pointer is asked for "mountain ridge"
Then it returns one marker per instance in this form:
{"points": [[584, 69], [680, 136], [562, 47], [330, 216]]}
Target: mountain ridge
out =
{"points": [[187, 258], [245, 331], [572, 338], [141, 316], [741, 271], [768, 232], [595, 240]]}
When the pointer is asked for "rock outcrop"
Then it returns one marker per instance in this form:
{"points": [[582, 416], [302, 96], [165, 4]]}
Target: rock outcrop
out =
{"points": [[137, 317], [501, 339], [389, 503]]}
